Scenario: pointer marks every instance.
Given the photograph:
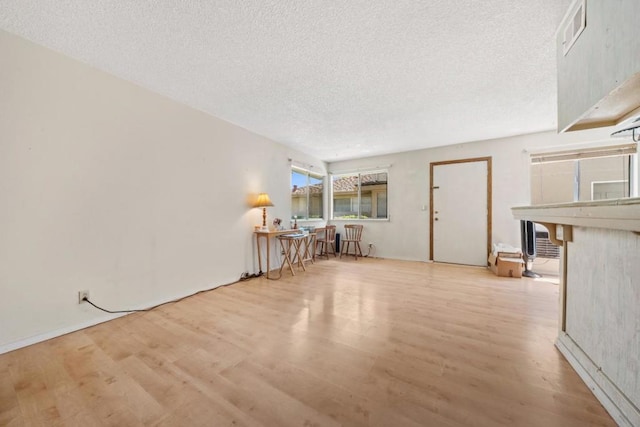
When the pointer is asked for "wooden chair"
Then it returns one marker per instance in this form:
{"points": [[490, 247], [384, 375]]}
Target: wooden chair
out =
{"points": [[352, 234], [327, 241]]}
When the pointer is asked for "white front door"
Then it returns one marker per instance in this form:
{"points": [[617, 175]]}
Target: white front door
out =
{"points": [[460, 211]]}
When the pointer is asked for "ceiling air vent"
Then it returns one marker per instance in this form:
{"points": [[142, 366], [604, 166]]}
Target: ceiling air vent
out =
{"points": [[574, 24]]}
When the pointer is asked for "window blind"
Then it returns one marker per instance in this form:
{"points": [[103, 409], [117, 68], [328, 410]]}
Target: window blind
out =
{"points": [[586, 153]]}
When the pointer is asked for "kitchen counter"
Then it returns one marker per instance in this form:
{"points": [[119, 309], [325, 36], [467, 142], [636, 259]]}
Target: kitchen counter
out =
{"points": [[615, 214], [599, 296]]}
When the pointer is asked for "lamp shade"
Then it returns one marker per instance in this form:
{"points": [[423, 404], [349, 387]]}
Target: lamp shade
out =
{"points": [[262, 201]]}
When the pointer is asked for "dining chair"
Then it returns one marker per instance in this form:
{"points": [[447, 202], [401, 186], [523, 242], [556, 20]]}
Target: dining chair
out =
{"points": [[352, 234], [327, 241]]}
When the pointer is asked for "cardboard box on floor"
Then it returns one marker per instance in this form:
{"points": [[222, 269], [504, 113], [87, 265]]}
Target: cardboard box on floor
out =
{"points": [[506, 264]]}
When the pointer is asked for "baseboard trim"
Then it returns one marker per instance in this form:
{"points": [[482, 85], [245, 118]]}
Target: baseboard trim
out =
{"points": [[6, 348], [621, 409]]}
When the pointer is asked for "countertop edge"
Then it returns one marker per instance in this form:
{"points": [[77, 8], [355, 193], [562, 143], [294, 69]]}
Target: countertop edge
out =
{"points": [[616, 214]]}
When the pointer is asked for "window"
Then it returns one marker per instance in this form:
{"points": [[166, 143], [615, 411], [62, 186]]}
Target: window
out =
{"points": [[360, 195], [589, 174], [306, 195]]}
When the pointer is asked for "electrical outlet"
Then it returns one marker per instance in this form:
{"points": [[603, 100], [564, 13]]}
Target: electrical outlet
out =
{"points": [[82, 295], [370, 244]]}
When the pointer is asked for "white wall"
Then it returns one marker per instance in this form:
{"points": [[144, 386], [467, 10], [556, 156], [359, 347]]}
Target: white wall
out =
{"points": [[406, 234], [108, 187]]}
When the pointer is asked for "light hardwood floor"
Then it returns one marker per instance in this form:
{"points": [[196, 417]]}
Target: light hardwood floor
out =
{"points": [[367, 342]]}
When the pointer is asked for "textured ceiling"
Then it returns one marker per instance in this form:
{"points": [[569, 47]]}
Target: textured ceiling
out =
{"points": [[335, 79]]}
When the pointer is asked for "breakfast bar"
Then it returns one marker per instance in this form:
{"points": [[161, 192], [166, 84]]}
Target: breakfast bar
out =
{"points": [[599, 315]]}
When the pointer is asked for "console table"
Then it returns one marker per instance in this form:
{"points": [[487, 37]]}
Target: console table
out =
{"points": [[310, 248], [267, 235]]}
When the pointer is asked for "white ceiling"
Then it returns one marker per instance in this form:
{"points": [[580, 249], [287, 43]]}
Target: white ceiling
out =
{"points": [[335, 79]]}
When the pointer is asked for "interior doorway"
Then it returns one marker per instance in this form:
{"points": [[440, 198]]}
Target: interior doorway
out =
{"points": [[460, 211]]}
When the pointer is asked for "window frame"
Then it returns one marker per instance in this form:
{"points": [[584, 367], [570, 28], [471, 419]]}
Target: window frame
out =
{"points": [[358, 197], [309, 175]]}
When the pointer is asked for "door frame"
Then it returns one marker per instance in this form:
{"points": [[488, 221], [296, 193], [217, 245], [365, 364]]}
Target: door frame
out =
{"points": [[489, 197]]}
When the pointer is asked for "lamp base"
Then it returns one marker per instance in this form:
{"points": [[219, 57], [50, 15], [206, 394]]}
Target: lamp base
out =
{"points": [[264, 228]]}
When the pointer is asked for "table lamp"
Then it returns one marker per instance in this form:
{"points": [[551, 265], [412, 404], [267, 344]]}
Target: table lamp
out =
{"points": [[262, 202]]}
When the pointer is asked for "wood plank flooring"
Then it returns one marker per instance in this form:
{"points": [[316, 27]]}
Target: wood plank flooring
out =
{"points": [[359, 343]]}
